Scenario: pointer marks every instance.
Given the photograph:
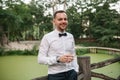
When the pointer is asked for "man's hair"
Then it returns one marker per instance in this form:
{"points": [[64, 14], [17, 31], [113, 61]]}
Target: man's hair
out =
{"points": [[59, 11]]}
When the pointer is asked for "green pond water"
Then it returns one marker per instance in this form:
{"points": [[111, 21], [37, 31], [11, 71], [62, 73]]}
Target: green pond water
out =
{"points": [[112, 70], [27, 68], [20, 68]]}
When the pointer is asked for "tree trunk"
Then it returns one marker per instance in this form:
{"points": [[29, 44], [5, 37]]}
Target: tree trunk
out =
{"points": [[4, 39]]}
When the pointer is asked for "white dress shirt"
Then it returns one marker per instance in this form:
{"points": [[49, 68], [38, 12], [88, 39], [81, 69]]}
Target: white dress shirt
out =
{"points": [[52, 46]]}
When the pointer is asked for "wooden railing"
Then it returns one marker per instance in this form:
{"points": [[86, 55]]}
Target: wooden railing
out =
{"points": [[85, 66], [95, 49]]}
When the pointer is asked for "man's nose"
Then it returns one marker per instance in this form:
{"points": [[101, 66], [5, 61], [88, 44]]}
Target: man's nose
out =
{"points": [[63, 20]]}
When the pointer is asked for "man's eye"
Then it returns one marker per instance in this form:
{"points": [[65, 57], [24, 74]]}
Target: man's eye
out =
{"points": [[65, 18], [59, 19], [62, 19]]}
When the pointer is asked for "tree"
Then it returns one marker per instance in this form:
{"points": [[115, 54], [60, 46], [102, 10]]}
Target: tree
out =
{"points": [[8, 21], [104, 25], [74, 22], [40, 19], [19, 19]]}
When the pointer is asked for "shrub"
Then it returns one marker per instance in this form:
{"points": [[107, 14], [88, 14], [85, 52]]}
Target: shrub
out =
{"points": [[34, 51], [2, 51], [81, 51]]}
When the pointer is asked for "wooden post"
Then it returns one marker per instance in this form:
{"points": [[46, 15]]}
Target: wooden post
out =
{"points": [[93, 50], [84, 65]]}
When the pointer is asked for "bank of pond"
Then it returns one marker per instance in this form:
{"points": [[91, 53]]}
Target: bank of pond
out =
{"points": [[26, 67]]}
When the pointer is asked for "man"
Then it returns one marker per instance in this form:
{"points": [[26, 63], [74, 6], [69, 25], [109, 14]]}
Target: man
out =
{"points": [[57, 50]]}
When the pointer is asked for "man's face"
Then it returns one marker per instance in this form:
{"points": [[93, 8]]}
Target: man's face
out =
{"points": [[60, 21]]}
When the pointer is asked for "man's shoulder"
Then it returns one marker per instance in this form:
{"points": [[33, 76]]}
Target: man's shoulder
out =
{"points": [[49, 34], [69, 34]]}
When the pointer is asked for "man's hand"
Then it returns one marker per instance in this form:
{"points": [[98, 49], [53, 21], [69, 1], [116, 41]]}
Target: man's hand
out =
{"points": [[67, 58]]}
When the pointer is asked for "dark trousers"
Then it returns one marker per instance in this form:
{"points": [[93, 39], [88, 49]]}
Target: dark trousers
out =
{"points": [[69, 75]]}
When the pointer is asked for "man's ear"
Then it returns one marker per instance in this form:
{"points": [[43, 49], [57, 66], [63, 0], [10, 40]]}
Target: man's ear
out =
{"points": [[53, 21]]}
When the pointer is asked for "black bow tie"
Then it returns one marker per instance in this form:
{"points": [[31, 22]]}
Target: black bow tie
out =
{"points": [[62, 34]]}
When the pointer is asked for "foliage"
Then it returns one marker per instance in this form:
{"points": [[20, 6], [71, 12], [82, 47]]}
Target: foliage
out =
{"points": [[74, 22], [103, 25], [81, 51], [20, 21], [2, 51], [34, 51], [86, 44]]}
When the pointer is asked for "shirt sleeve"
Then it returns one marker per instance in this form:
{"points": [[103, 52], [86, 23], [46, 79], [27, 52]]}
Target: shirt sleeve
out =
{"points": [[76, 67], [43, 57]]}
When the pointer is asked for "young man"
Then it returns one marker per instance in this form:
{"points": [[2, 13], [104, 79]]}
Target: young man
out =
{"points": [[57, 50]]}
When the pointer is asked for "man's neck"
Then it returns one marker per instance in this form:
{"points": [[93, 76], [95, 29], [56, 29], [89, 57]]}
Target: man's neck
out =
{"points": [[61, 31]]}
